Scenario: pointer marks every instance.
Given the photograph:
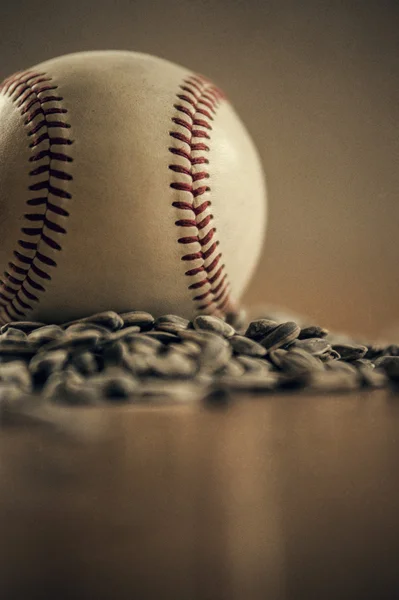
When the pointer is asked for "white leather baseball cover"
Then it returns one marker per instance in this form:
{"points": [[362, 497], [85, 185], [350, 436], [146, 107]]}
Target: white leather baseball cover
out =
{"points": [[126, 182]]}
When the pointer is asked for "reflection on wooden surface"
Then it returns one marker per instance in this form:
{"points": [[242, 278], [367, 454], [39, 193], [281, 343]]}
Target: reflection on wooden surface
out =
{"points": [[283, 497]]}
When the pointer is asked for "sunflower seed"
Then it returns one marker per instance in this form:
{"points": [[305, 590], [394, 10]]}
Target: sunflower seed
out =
{"points": [[12, 342], [114, 354], [173, 365], [276, 357], [138, 364], [187, 347], [45, 363], [215, 354], [83, 327], [300, 362], [391, 350], [205, 379], [143, 344], [133, 357], [171, 320], [390, 365], [122, 334], [25, 326], [233, 368], [170, 328], [254, 365], [85, 363], [375, 378], [374, 351], [12, 333], [315, 346], [350, 351], [245, 346], [250, 383], [161, 336], [200, 338], [86, 339], [142, 319], [259, 328], [363, 362], [329, 356], [313, 331], [280, 336], [116, 385], [214, 325], [342, 367], [16, 373], [16, 349], [109, 319], [45, 334], [55, 386], [62, 392]]}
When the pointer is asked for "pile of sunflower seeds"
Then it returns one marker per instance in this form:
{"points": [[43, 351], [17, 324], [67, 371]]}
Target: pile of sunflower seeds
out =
{"points": [[133, 357]]}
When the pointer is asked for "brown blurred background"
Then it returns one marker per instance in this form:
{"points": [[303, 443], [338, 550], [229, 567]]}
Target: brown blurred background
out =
{"points": [[316, 84]]}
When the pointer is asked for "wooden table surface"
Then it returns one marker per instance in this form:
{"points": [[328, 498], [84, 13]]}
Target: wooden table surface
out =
{"points": [[271, 497]]}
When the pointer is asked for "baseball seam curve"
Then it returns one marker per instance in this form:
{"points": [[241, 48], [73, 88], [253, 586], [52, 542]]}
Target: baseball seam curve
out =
{"points": [[197, 103], [34, 94]]}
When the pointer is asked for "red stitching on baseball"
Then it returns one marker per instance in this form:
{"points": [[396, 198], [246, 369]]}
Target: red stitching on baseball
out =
{"points": [[201, 190], [39, 272], [52, 155], [202, 123], [208, 236], [182, 122], [204, 222], [216, 299], [208, 104], [196, 109], [184, 110], [180, 169], [29, 294], [195, 85], [23, 304], [181, 137], [13, 279], [195, 271], [28, 91], [181, 153], [200, 160], [204, 112], [183, 187], [17, 269], [202, 296], [219, 285], [200, 209], [201, 134], [225, 301], [200, 175], [200, 146], [198, 284], [8, 313], [15, 309], [187, 99], [185, 88]]}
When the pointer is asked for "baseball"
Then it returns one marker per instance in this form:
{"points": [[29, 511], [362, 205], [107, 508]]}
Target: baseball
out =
{"points": [[126, 182]]}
